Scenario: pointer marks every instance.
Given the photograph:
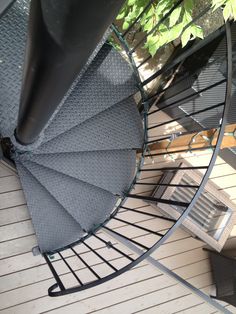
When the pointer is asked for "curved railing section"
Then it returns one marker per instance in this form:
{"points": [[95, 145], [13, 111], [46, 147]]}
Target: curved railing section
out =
{"points": [[99, 257]]}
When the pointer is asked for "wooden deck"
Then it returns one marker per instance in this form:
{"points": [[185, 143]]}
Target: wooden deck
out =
{"points": [[25, 279]]}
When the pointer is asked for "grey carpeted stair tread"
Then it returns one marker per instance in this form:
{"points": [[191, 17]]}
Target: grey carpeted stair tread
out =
{"points": [[107, 81], [119, 127], [13, 28], [89, 205], [110, 170], [54, 227]]}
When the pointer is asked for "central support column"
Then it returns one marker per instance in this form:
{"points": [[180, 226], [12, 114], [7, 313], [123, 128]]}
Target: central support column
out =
{"points": [[61, 37]]}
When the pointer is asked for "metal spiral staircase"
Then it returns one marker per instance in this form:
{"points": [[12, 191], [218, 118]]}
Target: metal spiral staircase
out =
{"points": [[82, 170]]}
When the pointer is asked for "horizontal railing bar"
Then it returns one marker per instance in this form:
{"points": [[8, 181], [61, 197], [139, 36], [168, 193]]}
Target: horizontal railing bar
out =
{"points": [[160, 139], [123, 236], [156, 26], [186, 116], [139, 227], [101, 257], [148, 214], [72, 271], [110, 245], [169, 184], [54, 272], [158, 200], [138, 17], [183, 150], [174, 168], [185, 55], [187, 97], [86, 264]]}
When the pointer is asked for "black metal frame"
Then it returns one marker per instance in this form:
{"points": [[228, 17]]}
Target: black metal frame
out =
{"points": [[108, 247]]}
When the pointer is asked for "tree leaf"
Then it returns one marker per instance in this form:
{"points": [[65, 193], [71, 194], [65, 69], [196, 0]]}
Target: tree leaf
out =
{"points": [[152, 44], [186, 37], [217, 3], [157, 43], [161, 6], [175, 32], [152, 50], [122, 14], [147, 16], [148, 25], [151, 12], [125, 25], [227, 11], [187, 18], [163, 39], [163, 28], [233, 8], [174, 17], [197, 31]]}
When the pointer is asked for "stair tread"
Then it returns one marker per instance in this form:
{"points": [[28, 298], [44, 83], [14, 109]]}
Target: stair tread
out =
{"points": [[119, 127], [110, 170], [89, 205], [54, 227], [107, 81]]}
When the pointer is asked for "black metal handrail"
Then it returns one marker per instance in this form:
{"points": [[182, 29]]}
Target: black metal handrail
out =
{"points": [[109, 253]]}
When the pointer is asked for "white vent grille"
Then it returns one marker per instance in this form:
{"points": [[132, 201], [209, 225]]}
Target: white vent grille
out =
{"points": [[211, 219], [208, 213]]}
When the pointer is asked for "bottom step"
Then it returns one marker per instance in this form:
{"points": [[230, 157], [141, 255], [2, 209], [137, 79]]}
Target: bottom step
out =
{"points": [[54, 227]]}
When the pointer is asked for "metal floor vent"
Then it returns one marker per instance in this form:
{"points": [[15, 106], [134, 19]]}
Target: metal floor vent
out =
{"points": [[212, 217], [209, 213]]}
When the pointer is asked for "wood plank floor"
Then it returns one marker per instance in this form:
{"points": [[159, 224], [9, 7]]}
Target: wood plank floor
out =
{"points": [[24, 279]]}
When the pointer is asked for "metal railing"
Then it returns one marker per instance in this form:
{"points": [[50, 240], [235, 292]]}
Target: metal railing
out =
{"points": [[96, 258]]}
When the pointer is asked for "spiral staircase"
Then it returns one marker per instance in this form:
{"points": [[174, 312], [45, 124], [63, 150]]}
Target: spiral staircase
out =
{"points": [[86, 163]]}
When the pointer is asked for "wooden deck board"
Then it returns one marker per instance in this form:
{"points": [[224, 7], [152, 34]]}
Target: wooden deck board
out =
{"points": [[120, 287], [27, 278], [24, 278], [14, 215]]}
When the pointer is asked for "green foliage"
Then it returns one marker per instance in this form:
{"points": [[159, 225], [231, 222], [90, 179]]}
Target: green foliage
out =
{"points": [[179, 24], [229, 8]]}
